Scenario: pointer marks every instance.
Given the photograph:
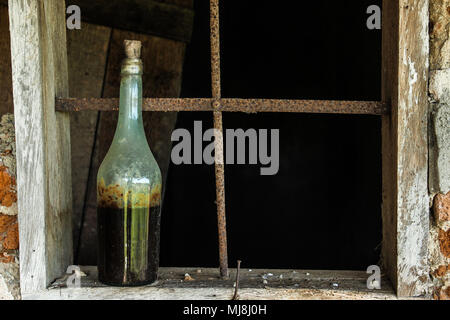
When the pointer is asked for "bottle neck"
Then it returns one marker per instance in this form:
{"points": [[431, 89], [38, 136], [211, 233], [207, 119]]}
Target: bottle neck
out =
{"points": [[130, 110]]}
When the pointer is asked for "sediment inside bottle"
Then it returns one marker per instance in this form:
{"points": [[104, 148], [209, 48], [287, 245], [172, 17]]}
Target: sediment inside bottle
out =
{"points": [[128, 230]]}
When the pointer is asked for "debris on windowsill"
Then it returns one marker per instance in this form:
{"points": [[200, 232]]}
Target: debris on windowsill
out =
{"points": [[63, 281], [187, 277], [267, 275]]}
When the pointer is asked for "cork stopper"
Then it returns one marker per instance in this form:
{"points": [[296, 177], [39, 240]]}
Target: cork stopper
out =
{"points": [[133, 49]]}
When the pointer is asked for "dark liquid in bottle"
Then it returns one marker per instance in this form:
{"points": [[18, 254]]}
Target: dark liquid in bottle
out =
{"points": [[128, 245]]}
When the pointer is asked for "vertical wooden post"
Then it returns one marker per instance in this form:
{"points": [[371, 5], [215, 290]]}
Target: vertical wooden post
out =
{"points": [[39, 68], [405, 206]]}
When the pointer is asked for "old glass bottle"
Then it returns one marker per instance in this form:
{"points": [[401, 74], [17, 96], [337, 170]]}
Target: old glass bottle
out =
{"points": [[129, 190]]}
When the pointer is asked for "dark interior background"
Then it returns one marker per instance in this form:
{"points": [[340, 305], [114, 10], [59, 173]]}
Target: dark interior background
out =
{"points": [[323, 208]]}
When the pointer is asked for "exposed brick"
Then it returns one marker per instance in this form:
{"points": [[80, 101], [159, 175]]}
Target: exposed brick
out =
{"points": [[443, 294], [6, 221], [441, 207], [9, 237], [8, 194], [441, 271], [444, 242], [5, 258], [9, 263], [11, 241]]}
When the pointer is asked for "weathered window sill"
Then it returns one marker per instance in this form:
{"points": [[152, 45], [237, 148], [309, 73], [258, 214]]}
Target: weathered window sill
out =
{"points": [[257, 284]]}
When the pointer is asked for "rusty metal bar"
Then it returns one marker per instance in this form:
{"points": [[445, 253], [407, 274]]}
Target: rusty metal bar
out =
{"points": [[218, 141], [303, 106], [215, 49], [229, 105], [148, 104]]}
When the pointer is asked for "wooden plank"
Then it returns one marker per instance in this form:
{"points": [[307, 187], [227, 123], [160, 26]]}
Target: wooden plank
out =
{"points": [[87, 50], [404, 145], [87, 54], [6, 96], [144, 16], [39, 65], [230, 105], [256, 284], [163, 62]]}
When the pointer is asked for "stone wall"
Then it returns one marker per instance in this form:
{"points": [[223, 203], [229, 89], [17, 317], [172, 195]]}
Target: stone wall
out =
{"points": [[9, 233], [439, 168]]}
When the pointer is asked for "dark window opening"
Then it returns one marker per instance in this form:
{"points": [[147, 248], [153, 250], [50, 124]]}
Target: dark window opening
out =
{"points": [[323, 208]]}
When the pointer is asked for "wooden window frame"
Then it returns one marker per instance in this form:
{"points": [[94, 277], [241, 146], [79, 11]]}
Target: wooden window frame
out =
{"points": [[40, 88]]}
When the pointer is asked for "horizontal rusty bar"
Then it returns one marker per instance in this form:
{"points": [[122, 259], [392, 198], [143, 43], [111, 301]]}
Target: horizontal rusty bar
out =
{"points": [[229, 105], [304, 106], [149, 104]]}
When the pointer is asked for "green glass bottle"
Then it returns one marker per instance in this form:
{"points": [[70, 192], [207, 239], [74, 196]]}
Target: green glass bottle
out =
{"points": [[129, 190]]}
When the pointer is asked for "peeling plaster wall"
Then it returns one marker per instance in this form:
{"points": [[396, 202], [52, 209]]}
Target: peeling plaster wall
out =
{"points": [[9, 233], [439, 147]]}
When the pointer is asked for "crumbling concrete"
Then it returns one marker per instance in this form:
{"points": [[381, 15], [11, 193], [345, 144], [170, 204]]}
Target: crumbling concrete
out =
{"points": [[9, 233], [439, 144], [439, 90], [439, 34], [440, 85], [439, 262], [440, 148]]}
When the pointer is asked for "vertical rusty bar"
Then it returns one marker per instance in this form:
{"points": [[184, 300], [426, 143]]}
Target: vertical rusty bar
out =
{"points": [[219, 163], [215, 49]]}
